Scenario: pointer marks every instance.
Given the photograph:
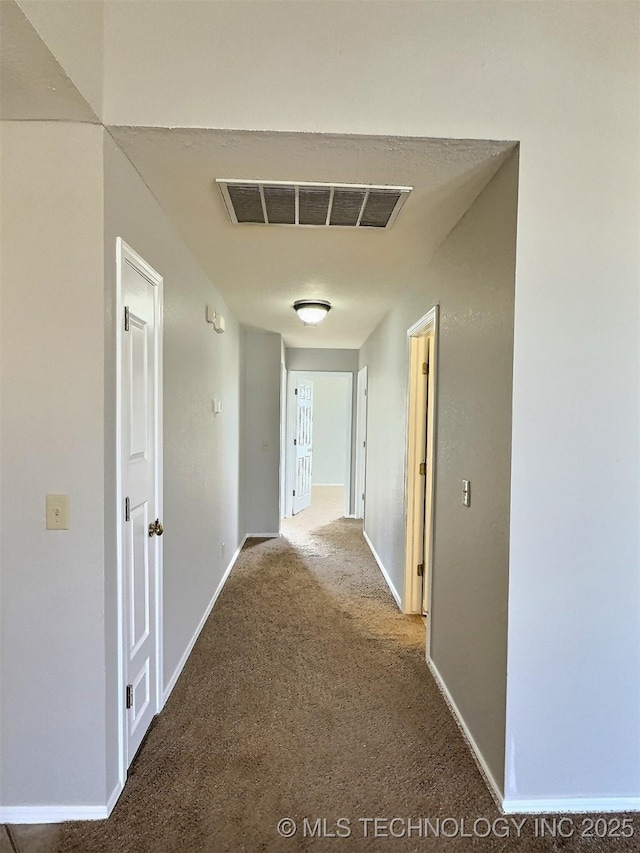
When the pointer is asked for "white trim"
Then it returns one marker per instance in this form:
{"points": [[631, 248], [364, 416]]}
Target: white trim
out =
{"points": [[113, 799], [360, 438], [124, 252], [422, 336], [282, 469], [426, 323], [51, 814], [178, 670], [59, 814], [494, 788], [385, 574], [576, 804], [262, 536]]}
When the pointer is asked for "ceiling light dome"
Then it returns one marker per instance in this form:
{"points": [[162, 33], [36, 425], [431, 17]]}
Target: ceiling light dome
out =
{"points": [[311, 311]]}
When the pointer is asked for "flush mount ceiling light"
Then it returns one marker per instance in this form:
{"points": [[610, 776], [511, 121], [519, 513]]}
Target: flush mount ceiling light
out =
{"points": [[311, 311], [312, 204]]}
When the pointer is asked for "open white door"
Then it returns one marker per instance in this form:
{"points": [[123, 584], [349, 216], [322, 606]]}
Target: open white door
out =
{"points": [[303, 445], [428, 483], [361, 441], [420, 462], [140, 493]]}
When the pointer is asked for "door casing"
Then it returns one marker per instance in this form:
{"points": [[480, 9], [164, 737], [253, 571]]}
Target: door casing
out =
{"points": [[419, 489], [125, 254], [292, 378], [361, 442]]}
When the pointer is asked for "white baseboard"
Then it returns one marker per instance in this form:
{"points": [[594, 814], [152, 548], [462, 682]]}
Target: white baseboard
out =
{"points": [[196, 634], [564, 806], [51, 814], [115, 796], [394, 591], [494, 788], [260, 536]]}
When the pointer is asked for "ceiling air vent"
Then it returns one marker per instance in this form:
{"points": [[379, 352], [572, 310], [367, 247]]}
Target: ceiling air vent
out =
{"points": [[308, 204]]}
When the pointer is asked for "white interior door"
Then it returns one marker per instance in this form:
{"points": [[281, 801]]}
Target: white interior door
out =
{"points": [[361, 441], [140, 487], [303, 445]]}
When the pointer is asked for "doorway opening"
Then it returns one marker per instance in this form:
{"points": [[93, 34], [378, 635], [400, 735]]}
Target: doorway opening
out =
{"points": [[318, 446], [420, 467]]}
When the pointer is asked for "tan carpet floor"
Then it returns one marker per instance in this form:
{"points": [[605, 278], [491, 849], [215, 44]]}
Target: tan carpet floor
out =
{"points": [[306, 696]]}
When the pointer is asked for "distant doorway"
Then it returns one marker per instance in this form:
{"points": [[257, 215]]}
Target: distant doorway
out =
{"points": [[318, 441]]}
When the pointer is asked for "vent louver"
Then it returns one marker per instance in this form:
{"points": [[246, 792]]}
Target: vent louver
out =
{"points": [[312, 204]]}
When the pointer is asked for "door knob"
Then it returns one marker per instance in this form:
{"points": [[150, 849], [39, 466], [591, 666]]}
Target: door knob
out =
{"points": [[156, 528]]}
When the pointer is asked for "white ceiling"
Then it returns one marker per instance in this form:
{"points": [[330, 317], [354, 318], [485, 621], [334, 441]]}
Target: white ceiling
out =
{"points": [[260, 270]]}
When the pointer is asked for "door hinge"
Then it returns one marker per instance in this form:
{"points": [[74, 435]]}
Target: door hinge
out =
{"points": [[296, 391], [126, 318], [127, 509], [364, 443], [420, 569], [425, 368], [129, 696], [295, 441], [294, 493], [423, 468], [365, 392], [363, 496]]}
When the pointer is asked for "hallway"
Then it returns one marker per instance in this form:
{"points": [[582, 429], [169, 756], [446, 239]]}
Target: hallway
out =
{"points": [[306, 696]]}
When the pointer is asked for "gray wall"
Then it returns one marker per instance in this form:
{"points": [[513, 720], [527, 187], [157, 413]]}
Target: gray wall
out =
{"points": [[67, 193], [201, 451], [345, 360], [472, 278], [261, 432], [52, 690]]}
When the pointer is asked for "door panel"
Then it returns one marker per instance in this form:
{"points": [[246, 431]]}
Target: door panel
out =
{"points": [[304, 448], [140, 485]]}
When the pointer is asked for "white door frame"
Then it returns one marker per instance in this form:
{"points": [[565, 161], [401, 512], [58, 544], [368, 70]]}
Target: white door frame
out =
{"points": [[283, 440], [292, 377], [361, 441], [125, 253], [419, 488]]}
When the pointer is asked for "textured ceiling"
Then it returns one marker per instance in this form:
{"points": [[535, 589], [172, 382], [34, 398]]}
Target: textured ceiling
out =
{"points": [[261, 271]]}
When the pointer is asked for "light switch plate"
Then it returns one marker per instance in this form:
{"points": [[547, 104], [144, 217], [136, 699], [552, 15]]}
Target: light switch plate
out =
{"points": [[466, 492], [57, 512]]}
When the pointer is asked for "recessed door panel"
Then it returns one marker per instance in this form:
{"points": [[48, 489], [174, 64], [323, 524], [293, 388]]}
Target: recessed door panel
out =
{"points": [[304, 449], [137, 351], [138, 575]]}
